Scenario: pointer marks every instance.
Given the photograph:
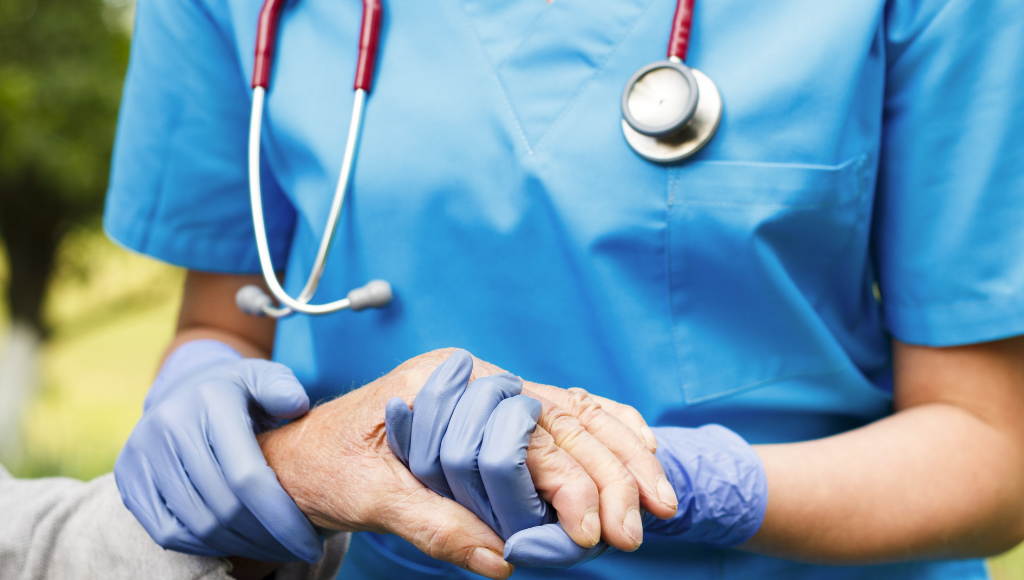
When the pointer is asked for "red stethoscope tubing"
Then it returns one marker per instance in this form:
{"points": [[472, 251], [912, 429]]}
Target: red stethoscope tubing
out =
{"points": [[682, 24], [369, 38]]}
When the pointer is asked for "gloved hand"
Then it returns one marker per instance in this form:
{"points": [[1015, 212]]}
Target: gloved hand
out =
{"points": [[192, 472], [452, 428], [471, 445], [722, 490], [718, 477]]}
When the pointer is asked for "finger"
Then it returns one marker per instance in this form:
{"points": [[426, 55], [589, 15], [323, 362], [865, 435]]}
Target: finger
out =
{"points": [[432, 411], [548, 547], [460, 447], [621, 524], [398, 425], [657, 495], [135, 481], [184, 502], [514, 498], [275, 389], [561, 481], [253, 482], [444, 530], [631, 418], [233, 528]]}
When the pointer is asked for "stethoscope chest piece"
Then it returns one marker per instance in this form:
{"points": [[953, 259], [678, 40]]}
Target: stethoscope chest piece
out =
{"points": [[670, 111]]}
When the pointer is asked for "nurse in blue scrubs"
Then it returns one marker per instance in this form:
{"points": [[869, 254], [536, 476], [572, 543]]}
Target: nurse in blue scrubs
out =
{"points": [[838, 277]]}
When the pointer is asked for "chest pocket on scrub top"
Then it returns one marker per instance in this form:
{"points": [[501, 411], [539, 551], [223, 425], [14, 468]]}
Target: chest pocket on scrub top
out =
{"points": [[752, 250]]}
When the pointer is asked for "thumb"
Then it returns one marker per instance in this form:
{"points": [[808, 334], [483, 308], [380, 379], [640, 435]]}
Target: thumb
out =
{"points": [[274, 387], [444, 530], [548, 546]]}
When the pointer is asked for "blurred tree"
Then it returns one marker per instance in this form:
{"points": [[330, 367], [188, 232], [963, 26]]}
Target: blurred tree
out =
{"points": [[62, 63]]}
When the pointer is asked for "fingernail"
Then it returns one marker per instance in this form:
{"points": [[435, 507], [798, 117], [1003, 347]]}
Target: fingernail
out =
{"points": [[633, 526], [592, 527], [666, 494], [649, 438], [487, 563]]}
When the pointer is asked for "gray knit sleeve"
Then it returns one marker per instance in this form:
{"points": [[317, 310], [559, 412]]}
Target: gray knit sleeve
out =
{"points": [[58, 528]]}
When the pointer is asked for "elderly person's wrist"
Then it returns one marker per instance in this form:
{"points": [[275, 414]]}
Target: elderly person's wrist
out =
{"points": [[289, 450]]}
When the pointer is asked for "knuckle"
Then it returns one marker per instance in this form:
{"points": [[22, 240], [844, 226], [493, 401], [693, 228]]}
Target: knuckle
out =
{"points": [[439, 541], [248, 478], [164, 416], [499, 463], [613, 472], [626, 481], [544, 453], [631, 414], [235, 515], [164, 537], [206, 528], [565, 429], [459, 460], [585, 407]]}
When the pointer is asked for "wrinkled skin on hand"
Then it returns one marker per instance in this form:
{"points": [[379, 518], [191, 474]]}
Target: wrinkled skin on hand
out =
{"points": [[336, 464]]}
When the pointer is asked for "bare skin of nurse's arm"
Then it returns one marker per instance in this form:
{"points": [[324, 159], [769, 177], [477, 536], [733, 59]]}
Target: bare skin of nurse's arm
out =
{"points": [[943, 477]]}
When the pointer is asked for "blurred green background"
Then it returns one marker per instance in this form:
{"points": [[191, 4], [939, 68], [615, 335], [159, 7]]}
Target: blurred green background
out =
{"points": [[83, 323]]}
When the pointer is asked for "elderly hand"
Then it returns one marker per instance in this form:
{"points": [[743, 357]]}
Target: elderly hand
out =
{"points": [[562, 458], [336, 465], [474, 443], [615, 447], [479, 444]]}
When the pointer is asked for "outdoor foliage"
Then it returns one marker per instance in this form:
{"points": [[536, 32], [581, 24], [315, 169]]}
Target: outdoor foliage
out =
{"points": [[62, 63]]}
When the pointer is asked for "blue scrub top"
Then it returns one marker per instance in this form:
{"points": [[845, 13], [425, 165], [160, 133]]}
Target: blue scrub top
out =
{"points": [[865, 183]]}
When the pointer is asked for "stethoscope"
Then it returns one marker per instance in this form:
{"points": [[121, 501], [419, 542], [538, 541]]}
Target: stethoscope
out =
{"points": [[669, 112], [251, 299]]}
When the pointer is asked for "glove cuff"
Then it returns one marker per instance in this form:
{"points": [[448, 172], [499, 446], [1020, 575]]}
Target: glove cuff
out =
{"points": [[188, 360], [720, 482]]}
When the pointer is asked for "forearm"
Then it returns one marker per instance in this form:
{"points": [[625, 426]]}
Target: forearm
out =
{"points": [[934, 481], [208, 312]]}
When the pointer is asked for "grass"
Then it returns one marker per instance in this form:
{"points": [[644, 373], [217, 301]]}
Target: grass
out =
{"points": [[112, 313]]}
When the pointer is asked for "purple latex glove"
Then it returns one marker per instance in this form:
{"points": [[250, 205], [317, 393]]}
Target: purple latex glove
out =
{"points": [[722, 490], [192, 471], [469, 444]]}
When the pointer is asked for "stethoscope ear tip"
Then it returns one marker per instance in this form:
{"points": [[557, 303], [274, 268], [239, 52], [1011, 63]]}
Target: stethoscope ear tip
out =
{"points": [[252, 300], [375, 294]]}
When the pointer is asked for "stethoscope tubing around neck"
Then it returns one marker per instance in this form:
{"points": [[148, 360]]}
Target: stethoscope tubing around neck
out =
{"points": [[266, 37], [300, 303]]}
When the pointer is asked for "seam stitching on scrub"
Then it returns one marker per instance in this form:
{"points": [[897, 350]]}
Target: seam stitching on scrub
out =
{"points": [[764, 382], [673, 184], [495, 78], [855, 162], [946, 305], [590, 80], [529, 34], [800, 207]]}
